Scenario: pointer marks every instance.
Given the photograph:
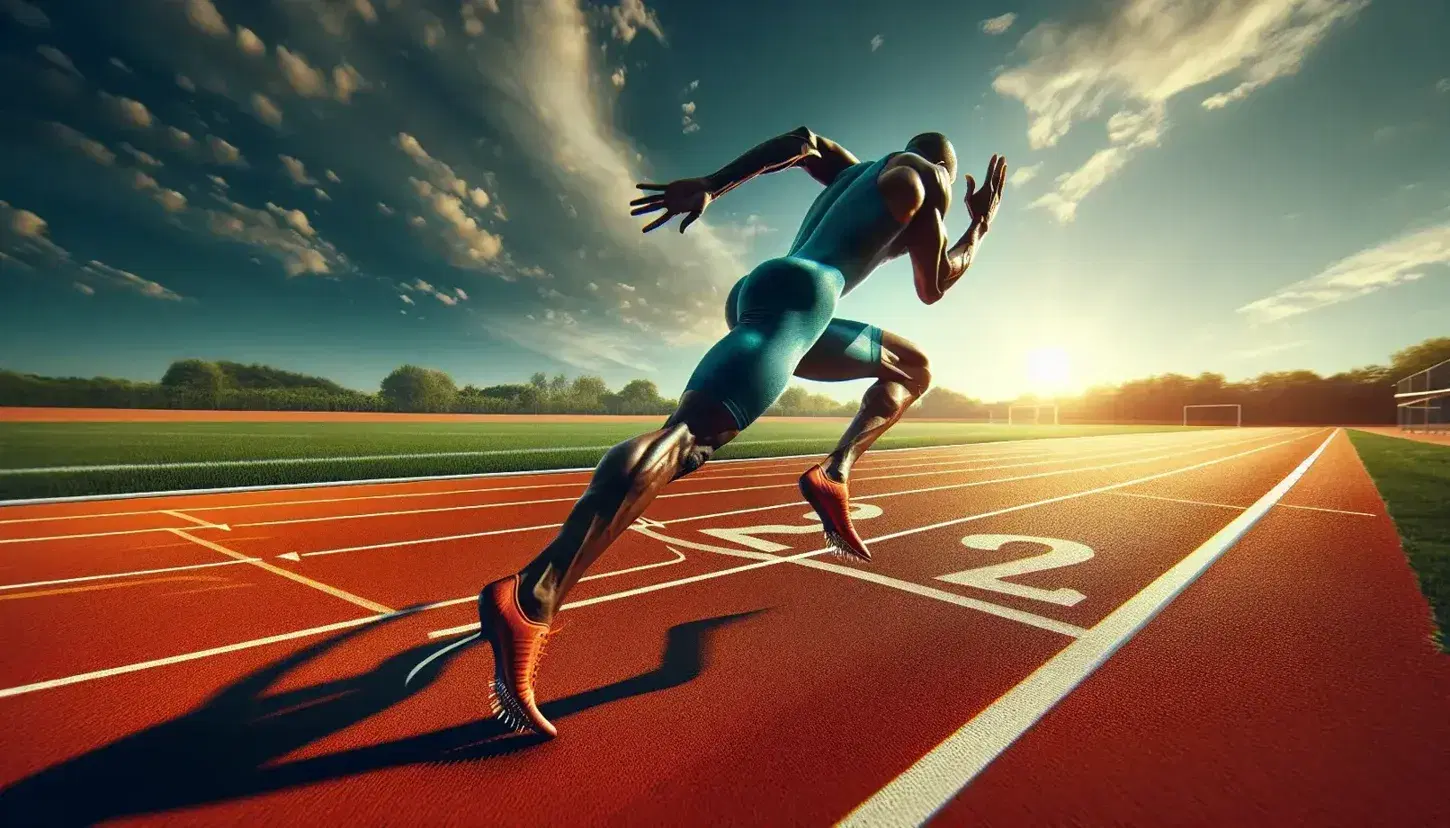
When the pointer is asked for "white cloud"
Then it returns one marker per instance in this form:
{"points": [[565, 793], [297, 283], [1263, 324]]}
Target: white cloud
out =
{"points": [[218, 181], [461, 294], [131, 112], [365, 10], [478, 197], [181, 139], [999, 24], [1142, 55], [249, 43], [124, 279], [58, 58], [1400, 260], [145, 159], [433, 34], [84, 288], [406, 298], [296, 170], [284, 234], [617, 78], [446, 298], [321, 194], [332, 176], [26, 14], [630, 16], [687, 119], [876, 42], [265, 110], [1442, 85], [225, 153], [205, 17], [466, 242], [304, 79], [472, 12], [92, 148], [694, 84], [347, 80], [385, 209], [120, 64], [170, 200], [1022, 175]]}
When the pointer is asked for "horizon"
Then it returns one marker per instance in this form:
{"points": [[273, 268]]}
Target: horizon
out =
{"points": [[338, 189]]}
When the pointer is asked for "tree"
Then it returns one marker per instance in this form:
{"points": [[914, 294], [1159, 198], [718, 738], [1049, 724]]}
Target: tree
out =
{"points": [[411, 388], [1415, 358], [588, 393], [194, 383]]}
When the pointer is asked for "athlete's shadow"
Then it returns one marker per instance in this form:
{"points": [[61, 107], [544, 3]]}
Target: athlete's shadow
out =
{"points": [[233, 745]]}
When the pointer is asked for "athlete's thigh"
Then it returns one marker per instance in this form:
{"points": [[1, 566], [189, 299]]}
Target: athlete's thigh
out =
{"points": [[851, 350]]}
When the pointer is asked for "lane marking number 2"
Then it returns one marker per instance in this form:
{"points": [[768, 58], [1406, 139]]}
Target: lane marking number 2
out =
{"points": [[1059, 553], [747, 536]]}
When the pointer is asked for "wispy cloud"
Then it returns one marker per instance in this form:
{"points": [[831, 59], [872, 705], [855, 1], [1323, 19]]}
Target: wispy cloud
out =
{"points": [[89, 146], [630, 16], [1400, 260], [25, 240], [876, 42], [1145, 53], [126, 280], [999, 24], [1022, 175]]}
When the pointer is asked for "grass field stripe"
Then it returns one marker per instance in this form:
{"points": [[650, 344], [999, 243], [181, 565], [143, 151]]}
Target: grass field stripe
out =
{"points": [[699, 493], [261, 487], [1030, 619], [919, 792], [972, 483], [286, 573], [701, 477], [260, 642], [785, 505], [801, 556], [129, 574]]}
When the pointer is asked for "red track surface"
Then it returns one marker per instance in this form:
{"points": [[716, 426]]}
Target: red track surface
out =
{"points": [[709, 677]]}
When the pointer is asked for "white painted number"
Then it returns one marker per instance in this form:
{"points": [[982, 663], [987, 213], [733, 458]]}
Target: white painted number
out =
{"points": [[747, 535], [1059, 553]]}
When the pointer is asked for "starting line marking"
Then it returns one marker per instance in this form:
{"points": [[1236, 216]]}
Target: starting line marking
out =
{"points": [[920, 791]]}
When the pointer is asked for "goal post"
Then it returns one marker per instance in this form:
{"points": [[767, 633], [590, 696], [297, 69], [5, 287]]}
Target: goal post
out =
{"points": [[1238, 411], [1045, 414]]}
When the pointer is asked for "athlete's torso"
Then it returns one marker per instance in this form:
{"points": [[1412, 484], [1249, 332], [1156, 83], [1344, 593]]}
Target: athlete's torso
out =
{"points": [[848, 227]]}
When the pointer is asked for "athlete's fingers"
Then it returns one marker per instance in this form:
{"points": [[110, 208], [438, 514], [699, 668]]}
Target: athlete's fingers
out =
{"points": [[690, 219], [648, 208], [657, 222], [648, 186], [971, 184], [649, 199], [1002, 174]]}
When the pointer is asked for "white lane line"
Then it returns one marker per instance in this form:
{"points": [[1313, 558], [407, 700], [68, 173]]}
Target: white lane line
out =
{"points": [[286, 573], [128, 574], [222, 526], [920, 791], [244, 645], [205, 524], [903, 533], [1030, 619], [376, 481], [788, 504], [1241, 508], [703, 477], [696, 493]]}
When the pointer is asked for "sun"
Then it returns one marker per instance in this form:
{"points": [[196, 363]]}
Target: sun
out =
{"points": [[1049, 370]]}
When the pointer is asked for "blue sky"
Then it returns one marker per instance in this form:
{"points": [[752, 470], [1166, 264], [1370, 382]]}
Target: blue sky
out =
{"points": [[342, 186]]}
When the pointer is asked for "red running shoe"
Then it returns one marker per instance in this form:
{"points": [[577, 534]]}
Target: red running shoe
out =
{"points": [[518, 645], [832, 504]]}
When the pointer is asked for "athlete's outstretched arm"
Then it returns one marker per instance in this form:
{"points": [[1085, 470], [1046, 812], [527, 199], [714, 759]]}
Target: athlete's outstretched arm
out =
{"points": [[935, 266], [821, 157]]}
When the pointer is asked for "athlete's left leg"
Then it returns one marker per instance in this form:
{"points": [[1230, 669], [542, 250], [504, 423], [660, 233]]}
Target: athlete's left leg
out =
{"points": [[850, 350]]}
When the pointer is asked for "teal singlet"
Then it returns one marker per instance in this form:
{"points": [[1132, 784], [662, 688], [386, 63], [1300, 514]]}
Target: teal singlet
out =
{"points": [[781, 312]]}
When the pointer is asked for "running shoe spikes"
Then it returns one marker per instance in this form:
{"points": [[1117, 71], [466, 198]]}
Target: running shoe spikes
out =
{"points": [[518, 646], [832, 504]]}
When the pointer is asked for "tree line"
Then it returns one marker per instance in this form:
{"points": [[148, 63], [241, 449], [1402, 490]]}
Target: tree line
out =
{"points": [[1362, 395]]}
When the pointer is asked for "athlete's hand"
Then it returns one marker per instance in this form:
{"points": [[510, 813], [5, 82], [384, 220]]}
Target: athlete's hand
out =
{"points": [[983, 203], [688, 196]]}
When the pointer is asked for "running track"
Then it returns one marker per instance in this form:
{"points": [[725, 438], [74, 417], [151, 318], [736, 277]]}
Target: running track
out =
{"points": [[1195, 628]]}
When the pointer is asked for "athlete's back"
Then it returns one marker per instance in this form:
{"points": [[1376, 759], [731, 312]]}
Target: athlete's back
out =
{"points": [[848, 227]]}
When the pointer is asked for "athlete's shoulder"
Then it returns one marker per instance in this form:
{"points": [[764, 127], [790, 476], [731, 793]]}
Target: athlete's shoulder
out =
{"points": [[933, 177]]}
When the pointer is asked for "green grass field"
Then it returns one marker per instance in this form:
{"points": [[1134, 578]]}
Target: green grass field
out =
{"points": [[65, 459], [1414, 480]]}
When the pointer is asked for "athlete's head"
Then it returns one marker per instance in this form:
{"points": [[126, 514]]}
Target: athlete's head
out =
{"points": [[934, 147]]}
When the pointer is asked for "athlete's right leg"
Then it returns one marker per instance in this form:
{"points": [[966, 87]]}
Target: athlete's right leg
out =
{"points": [[784, 308]]}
